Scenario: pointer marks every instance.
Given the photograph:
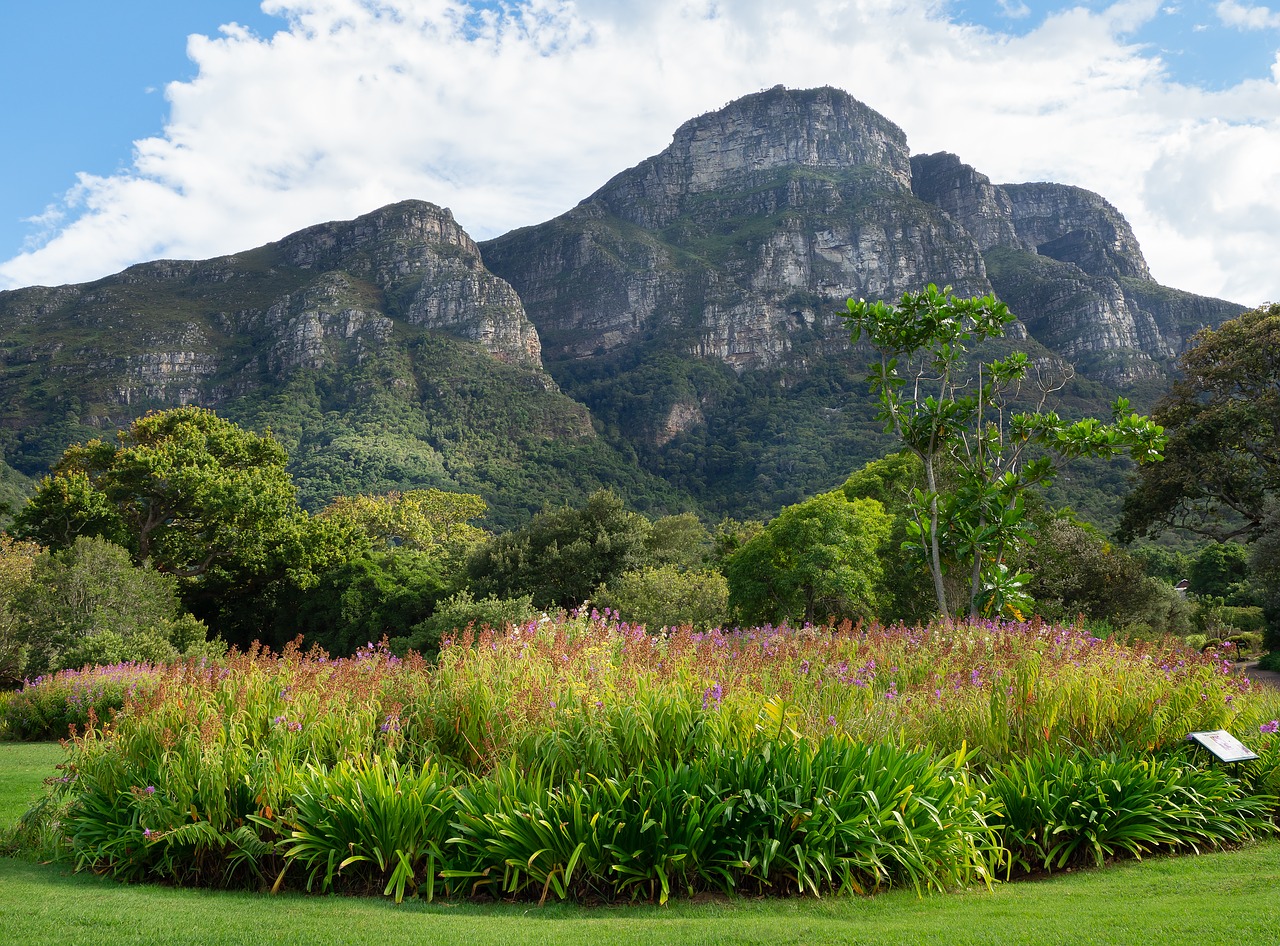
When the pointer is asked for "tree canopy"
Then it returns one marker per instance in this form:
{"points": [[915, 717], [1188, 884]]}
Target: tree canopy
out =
{"points": [[182, 489], [1221, 473], [979, 453], [817, 560]]}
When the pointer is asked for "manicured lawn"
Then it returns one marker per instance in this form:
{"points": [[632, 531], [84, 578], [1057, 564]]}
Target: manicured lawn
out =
{"points": [[1223, 898], [1226, 898], [23, 767]]}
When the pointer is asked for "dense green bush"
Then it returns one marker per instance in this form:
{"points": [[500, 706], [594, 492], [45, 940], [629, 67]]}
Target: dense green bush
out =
{"points": [[461, 611], [668, 596], [89, 604]]}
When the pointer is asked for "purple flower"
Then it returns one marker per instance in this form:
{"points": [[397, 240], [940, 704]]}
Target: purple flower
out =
{"points": [[831, 721], [1270, 727], [146, 832], [712, 694], [151, 789]]}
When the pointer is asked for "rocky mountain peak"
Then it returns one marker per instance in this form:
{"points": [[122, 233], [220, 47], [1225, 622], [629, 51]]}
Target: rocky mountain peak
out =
{"points": [[749, 141]]}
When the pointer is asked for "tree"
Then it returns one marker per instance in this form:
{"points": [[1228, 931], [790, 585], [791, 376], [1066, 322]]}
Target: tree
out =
{"points": [[1076, 571], [959, 420], [818, 559], [891, 480], [182, 489], [1221, 570], [1222, 464], [420, 519], [17, 561], [90, 604], [366, 598], [562, 555]]}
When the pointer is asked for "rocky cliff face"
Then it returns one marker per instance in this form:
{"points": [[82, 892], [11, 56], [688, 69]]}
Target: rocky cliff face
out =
{"points": [[1067, 262], [180, 332], [748, 232], [746, 235]]}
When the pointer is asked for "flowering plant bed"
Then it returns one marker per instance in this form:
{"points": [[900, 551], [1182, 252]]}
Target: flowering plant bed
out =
{"points": [[581, 757]]}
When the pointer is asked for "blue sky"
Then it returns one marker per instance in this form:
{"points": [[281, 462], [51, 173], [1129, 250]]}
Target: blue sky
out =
{"points": [[128, 139]]}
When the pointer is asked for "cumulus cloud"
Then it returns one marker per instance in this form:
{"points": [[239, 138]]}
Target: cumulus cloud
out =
{"points": [[1246, 17], [510, 114]]}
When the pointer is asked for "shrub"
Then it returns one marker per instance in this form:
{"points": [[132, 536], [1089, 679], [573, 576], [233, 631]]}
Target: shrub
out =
{"points": [[90, 604], [668, 596], [461, 611]]}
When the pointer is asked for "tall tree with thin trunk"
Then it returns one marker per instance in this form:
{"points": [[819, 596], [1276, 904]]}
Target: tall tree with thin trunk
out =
{"points": [[979, 454]]}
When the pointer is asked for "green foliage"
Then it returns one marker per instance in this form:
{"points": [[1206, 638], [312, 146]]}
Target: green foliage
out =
{"points": [[1078, 572], [420, 519], [1169, 565], [668, 596], [1222, 464], [817, 560], [1221, 570], [564, 554], [184, 489], [52, 707], [891, 480], [1060, 810], [17, 561], [385, 825], [460, 611], [970, 433], [366, 598], [90, 604]]}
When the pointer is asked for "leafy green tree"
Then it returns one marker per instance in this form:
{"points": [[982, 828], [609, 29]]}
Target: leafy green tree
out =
{"points": [[1076, 571], [818, 559], [1222, 465], [891, 481], [563, 555], [1222, 570], [17, 561], [366, 598], [1264, 561], [90, 604], [681, 540], [1169, 565], [668, 596], [959, 420], [183, 489], [421, 519]]}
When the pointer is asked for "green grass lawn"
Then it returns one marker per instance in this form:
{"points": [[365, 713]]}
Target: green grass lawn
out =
{"points": [[23, 767], [1224, 898]]}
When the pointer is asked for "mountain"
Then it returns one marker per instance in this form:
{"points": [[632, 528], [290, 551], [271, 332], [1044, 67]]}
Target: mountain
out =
{"points": [[677, 335], [380, 351], [694, 301]]}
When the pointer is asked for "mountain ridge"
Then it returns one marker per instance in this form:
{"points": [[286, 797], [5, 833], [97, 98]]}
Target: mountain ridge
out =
{"points": [[677, 335]]}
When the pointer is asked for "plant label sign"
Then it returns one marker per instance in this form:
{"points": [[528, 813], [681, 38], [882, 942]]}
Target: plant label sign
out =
{"points": [[1223, 745]]}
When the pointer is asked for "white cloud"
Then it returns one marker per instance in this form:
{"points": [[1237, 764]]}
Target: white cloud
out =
{"points": [[511, 118], [1245, 17]]}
